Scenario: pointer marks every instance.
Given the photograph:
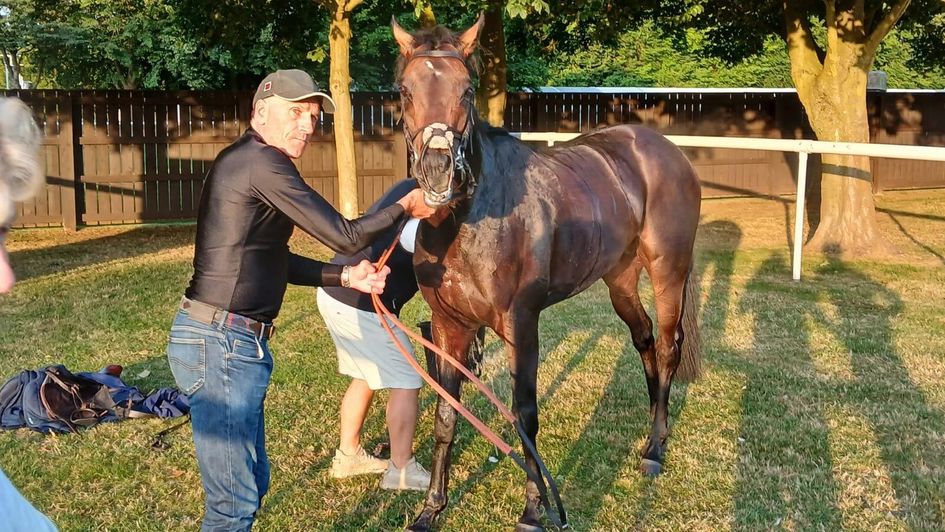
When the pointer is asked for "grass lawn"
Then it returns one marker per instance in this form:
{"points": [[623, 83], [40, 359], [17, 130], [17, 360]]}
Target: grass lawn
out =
{"points": [[822, 405]]}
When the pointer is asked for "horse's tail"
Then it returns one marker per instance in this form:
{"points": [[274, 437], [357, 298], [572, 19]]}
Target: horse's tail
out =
{"points": [[690, 359]]}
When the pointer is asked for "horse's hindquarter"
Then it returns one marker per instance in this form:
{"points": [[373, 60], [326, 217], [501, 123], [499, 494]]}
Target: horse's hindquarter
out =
{"points": [[599, 209]]}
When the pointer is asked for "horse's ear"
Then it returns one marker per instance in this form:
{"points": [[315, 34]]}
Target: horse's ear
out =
{"points": [[403, 37], [470, 38]]}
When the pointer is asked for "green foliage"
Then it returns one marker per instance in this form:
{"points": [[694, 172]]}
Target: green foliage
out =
{"points": [[211, 44], [646, 56]]}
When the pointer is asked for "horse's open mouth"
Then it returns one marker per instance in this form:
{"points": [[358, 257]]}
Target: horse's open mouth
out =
{"points": [[433, 199]]}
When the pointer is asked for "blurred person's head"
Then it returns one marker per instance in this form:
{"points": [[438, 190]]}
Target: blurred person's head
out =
{"points": [[21, 171]]}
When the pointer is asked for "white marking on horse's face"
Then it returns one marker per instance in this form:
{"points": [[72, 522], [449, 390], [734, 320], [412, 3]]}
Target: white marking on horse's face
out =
{"points": [[438, 142], [429, 65]]}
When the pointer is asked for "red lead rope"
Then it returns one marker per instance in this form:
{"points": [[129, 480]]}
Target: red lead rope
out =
{"points": [[561, 519]]}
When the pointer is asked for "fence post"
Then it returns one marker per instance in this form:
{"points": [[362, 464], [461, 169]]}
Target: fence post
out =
{"points": [[70, 161], [799, 214]]}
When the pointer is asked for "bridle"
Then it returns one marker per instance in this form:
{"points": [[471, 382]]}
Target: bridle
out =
{"points": [[444, 135]]}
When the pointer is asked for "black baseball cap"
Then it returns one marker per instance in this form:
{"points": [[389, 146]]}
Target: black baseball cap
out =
{"points": [[293, 85]]}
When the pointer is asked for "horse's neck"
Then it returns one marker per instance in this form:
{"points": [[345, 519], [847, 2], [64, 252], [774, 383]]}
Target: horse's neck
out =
{"points": [[498, 161]]}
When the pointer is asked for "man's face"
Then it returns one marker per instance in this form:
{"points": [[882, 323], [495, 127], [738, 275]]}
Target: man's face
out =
{"points": [[288, 125]]}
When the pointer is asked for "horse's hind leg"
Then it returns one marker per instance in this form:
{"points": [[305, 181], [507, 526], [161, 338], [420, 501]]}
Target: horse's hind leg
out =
{"points": [[625, 296], [668, 274]]}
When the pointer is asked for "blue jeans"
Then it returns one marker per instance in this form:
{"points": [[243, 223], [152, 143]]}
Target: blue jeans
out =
{"points": [[225, 372]]}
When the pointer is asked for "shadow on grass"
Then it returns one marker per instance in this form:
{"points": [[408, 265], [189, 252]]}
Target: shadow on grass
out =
{"points": [[140, 240], [785, 469], [928, 249], [906, 431]]}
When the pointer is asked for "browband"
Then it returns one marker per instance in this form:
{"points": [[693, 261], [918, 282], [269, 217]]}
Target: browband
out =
{"points": [[439, 53]]}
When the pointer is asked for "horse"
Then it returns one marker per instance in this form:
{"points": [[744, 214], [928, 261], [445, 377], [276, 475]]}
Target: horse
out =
{"points": [[519, 229]]}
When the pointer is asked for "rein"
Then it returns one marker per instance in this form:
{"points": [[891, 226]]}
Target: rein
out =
{"points": [[437, 130], [561, 519]]}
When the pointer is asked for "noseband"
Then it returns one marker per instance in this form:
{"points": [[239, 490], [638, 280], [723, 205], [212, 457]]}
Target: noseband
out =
{"points": [[438, 135]]}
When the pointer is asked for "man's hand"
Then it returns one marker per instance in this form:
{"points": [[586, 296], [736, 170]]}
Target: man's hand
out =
{"points": [[415, 206], [365, 278]]}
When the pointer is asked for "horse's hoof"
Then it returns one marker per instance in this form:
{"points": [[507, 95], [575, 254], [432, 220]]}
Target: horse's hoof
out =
{"points": [[527, 527], [650, 468], [423, 523]]}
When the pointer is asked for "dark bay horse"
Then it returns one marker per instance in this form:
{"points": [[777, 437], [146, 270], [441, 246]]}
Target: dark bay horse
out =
{"points": [[521, 229]]}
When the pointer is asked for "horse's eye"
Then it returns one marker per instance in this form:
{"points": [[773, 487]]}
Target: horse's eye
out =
{"points": [[404, 93]]}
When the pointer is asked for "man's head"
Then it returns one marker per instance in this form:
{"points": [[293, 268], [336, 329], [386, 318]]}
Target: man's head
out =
{"points": [[21, 171], [285, 109]]}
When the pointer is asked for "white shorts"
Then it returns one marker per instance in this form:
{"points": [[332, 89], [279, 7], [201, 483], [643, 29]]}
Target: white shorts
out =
{"points": [[365, 350]]}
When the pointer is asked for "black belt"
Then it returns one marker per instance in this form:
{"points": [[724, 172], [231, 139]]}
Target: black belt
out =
{"points": [[207, 314]]}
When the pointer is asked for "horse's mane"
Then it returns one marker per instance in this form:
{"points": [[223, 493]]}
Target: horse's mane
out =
{"points": [[21, 171], [432, 39]]}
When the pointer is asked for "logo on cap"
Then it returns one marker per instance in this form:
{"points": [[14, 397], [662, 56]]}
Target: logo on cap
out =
{"points": [[268, 86]]}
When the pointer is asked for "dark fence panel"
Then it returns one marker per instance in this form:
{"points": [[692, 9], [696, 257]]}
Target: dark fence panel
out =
{"points": [[134, 156]]}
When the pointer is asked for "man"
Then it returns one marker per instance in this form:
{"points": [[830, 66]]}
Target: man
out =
{"points": [[21, 177], [368, 355], [218, 349]]}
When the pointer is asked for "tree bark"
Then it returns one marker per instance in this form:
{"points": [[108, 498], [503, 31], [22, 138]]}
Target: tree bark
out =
{"points": [[493, 81], [833, 93], [427, 17], [11, 69], [7, 71], [339, 39]]}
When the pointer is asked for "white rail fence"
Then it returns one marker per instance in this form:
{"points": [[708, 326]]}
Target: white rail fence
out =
{"points": [[803, 148]]}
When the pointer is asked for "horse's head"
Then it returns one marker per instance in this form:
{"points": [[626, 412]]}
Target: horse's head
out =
{"points": [[437, 97]]}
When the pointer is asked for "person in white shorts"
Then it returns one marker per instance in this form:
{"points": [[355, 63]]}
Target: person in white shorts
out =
{"points": [[368, 355]]}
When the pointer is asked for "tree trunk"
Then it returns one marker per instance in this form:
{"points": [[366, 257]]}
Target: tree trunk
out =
{"points": [[847, 224], [7, 71], [339, 39], [833, 93], [427, 17], [493, 82], [11, 69]]}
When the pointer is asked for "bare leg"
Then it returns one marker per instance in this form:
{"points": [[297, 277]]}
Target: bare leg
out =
{"points": [[401, 423], [354, 407]]}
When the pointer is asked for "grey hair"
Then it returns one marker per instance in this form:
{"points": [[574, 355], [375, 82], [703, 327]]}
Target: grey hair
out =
{"points": [[22, 175]]}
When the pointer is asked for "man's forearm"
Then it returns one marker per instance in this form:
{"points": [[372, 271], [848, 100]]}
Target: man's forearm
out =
{"points": [[304, 271]]}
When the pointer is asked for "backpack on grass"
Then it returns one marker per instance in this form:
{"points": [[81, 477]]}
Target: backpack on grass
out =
{"points": [[52, 399]]}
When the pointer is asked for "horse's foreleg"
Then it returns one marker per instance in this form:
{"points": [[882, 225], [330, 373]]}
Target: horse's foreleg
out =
{"points": [[523, 364], [454, 340]]}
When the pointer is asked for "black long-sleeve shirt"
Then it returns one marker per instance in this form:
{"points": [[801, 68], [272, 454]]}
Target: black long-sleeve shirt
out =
{"points": [[402, 282], [252, 197]]}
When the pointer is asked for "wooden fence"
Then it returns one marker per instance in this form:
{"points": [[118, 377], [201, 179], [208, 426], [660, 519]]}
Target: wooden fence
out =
{"points": [[136, 156]]}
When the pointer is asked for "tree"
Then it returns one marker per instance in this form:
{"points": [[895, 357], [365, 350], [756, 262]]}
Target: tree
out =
{"points": [[339, 80], [832, 45]]}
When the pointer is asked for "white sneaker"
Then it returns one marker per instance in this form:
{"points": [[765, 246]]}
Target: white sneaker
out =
{"points": [[360, 463], [412, 477]]}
